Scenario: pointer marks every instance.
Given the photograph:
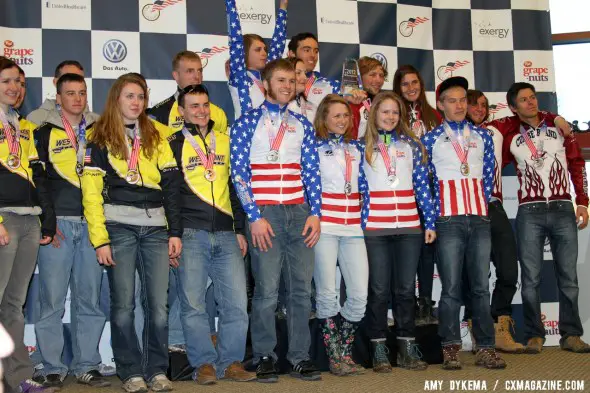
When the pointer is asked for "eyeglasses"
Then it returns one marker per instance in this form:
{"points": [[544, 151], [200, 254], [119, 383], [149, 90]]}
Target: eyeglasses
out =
{"points": [[195, 88], [583, 126]]}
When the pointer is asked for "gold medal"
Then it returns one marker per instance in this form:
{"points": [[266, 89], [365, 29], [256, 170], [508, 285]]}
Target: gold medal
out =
{"points": [[464, 169], [210, 175], [132, 177], [13, 161]]}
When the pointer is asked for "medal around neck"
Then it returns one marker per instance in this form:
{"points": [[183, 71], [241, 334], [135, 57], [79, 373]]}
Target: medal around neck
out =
{"points": [[351, 77], [13, 161], [464, 169], [348, 188], [273, 156], [393, 180], [79, 169], [538, 162], [210, 175], [132, 177]]}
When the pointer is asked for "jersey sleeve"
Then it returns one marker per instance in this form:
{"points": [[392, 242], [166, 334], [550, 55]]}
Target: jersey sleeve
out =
{"points": [[279, 37], [488, 164], [170, 182], [92, 181], [577, 169], [422, 190], [237, 58], [48, 218], [310, 168]]}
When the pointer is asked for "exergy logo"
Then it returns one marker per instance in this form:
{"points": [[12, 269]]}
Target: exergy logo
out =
{"points": [[249, 15], [486, 29]]}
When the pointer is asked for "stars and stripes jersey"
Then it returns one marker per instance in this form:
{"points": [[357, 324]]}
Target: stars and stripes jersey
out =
{"points": [[245, 86], [455, 193], [303, 107], [320, 88], [293, 179], [395, 206], [166, 112], [559, 155], [341, 213]]}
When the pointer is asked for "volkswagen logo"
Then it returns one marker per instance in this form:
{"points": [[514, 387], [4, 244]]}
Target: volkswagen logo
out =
{"points": [[381, 57], [114, 51]]}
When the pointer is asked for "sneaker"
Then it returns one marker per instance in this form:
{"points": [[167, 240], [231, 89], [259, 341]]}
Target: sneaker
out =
{"points": [[30, 386], [451, 357], [534, 345], [235, 372], [50, 381], [106, 370], [574, 344], [504, 340], [489, 358], [267, 370], [135, 385], [306, 371], [93, 378], [160, 383], [205, 375]]}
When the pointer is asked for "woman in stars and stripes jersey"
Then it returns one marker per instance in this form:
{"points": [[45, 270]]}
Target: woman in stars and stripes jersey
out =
{"points": [[300, 104], [397, 176], [341, 240], [248, 56]]}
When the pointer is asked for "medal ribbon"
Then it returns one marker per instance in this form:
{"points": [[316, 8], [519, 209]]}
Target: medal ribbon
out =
{"points": [[206, 159], [13, 141], [257, 82], [384, 150], [530, 144], [367, 104], [308, 85], [347, 161], [132, 163], [78, 143], [462, 151], [275, 140]]}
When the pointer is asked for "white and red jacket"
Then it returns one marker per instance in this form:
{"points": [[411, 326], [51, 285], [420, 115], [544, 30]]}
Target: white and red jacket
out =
{"points": [[341, 213], [560, 155], [293, 179], [385, 207], [302, 106], [454, 193]]}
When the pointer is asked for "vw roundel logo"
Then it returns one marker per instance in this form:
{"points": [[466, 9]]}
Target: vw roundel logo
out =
{"points": [[114, 51], [381, 57]]}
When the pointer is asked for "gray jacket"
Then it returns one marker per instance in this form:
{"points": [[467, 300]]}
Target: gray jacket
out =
{"points": [[42, 114]]}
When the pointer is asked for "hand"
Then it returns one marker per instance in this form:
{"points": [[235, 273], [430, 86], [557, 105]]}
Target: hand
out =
{"points": [[174, 262], [563, 126], [243, 243], [174, 247], [582, 215], [45, 240], [261, 233], [105, 256], [311, 224], [4, 236], [56, 239], [429, 236], [357, 97], [284, 4]]}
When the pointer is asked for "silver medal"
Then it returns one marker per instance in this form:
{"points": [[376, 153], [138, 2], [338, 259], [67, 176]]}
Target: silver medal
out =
{"points": [[273, 156], [347, 188], [393, 180]]}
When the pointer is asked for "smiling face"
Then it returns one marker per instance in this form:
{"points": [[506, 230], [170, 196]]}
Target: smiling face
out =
{"points": [[196, 109], [410, 87], [301, 78], [338, 119], [308, 51], [10, 87], [388, 115], [373, 80], [281, 88], [478, 112], [131, 102]]}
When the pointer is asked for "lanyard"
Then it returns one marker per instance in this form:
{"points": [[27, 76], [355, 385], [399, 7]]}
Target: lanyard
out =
{"points": [[257, 82], [13, 141], [461, 149], [78, 143], [308, 85], [206, 159], [536, 152], [367, 104], [275, 140], [384, 150], [132, 163]]}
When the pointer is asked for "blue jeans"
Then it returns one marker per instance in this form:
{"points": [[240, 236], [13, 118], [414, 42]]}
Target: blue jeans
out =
{"points": [[464, 241], [290, 257], [393, 260], [145, 249], [557, 221], [351, 255], [73, 263], [216, 255]]}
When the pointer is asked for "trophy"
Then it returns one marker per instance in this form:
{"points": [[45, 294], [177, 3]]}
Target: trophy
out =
{"points": [[351, 77]]}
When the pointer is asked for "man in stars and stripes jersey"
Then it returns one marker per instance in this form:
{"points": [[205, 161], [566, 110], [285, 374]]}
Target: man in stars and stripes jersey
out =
{"points": [[275, 171], [461, 159]]}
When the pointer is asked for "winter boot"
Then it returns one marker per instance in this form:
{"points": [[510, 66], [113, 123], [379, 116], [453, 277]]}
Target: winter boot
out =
{"points": [[333, 348], [409, 355], [347, 334], [380, 359]]}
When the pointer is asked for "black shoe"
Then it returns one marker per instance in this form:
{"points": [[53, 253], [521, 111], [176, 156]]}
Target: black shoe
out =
{"points": [[266, 371], [306, 371], [93, 378], [50, 380]]}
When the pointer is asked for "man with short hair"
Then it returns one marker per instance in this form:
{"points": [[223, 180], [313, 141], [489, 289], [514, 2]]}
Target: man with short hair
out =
{"points": [[543, 156], [275, 169], [39, 115], [70, 260], [373, 75], [461, 160]]}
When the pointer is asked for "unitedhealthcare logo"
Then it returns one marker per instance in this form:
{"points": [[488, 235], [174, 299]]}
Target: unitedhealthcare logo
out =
{"points": [[336, 21], [114, 51]]}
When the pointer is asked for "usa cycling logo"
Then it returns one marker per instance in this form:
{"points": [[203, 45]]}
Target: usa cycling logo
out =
{"points": [[114, 51], [206, 53], [151, 11], [446, 71], [406, 28], [495, 108]]}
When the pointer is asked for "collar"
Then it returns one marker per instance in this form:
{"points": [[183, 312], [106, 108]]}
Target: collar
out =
{"points": [[540, 117], [194, 130], [129, 128], [275, 108], [177, 92], [387, 136], [457, 126], [256, 73], [335, 138]]}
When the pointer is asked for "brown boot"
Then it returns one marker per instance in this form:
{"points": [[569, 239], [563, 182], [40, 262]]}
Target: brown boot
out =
{"points": [[489, 358], [534, 345], [473, 342], [205, 375], [451, 357], [235, 372], [574, 344], [504, 340]]}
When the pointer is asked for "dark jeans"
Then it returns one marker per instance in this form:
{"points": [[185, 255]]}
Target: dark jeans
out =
{"points": [[426, 269], [393, 261], [291, 258], [464, 241], [151, 243], [505, 261], [557, 221]]}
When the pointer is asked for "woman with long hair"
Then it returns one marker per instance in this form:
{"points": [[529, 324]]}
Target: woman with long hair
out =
{"points": [[23, 198], [422, 117], [341, 240], [397, 176], [130, 188], [248, 56], [300, 103]]}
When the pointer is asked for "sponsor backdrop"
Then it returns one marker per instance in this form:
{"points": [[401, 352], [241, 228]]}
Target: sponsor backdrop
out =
{"points": [[491, 43]]}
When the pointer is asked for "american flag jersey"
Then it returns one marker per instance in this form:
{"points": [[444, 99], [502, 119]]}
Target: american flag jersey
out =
{"points": [[339, 209], [244, 91], [387, 207], [294, 178], [302, 106], [454, 193], [321, 87], [560, 155]]}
